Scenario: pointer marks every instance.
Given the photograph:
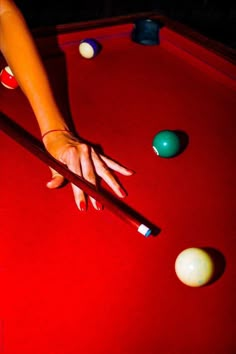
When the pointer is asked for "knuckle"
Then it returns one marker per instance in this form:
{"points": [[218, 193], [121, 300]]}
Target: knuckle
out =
{"points": [[72, 150], [105, 170], [84, 148], [90, 176]]}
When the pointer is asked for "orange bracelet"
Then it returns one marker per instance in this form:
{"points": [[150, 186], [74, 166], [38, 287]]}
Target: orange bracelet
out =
{"points": [[55, 130]]}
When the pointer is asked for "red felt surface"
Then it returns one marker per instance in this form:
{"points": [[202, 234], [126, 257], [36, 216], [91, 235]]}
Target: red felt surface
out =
{"points": [[87, 283]]}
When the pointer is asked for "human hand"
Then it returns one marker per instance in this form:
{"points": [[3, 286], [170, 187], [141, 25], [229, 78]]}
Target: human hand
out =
{"points": [[82, 159]]}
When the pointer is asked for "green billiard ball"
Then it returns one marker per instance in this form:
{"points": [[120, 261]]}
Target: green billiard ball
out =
{"points": [[166, 143]]}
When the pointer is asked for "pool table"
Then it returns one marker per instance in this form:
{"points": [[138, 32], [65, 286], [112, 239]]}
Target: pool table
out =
{"points": [[86, 282]]}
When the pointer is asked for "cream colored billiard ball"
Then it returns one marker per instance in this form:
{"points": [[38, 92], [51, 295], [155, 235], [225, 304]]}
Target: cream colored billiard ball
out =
{"points": [[194, 267]]}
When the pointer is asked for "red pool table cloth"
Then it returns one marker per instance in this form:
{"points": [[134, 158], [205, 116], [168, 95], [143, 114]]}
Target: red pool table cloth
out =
{"points": [[88, 283]]}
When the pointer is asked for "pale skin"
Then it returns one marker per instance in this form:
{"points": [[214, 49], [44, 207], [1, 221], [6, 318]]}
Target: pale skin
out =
{"points": [[18, 47]]}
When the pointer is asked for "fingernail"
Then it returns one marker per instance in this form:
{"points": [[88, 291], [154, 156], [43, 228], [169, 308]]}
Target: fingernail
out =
{"points": [[99, 206], [122, 192], [82, 206]]}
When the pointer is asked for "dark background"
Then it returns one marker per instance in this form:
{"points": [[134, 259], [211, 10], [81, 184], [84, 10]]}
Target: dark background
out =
{"points": [[213, 18]]}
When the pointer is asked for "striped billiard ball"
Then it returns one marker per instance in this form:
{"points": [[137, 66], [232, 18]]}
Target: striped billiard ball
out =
{"points": [[89, 48]]}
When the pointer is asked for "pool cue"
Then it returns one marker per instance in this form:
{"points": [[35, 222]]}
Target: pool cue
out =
{"points": [[36, 147]]}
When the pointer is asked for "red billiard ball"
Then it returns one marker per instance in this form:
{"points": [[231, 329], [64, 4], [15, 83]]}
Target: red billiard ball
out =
{"points": [[7, 78]]}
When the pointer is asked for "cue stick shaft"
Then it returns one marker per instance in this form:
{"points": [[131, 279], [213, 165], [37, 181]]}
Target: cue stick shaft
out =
{"points": [[36, 147]]}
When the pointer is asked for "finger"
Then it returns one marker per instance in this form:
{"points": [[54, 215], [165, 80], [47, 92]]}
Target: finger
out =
{"points": [[72, 161], [56, 180], [88, 172], [116, 166], [104, 172]]}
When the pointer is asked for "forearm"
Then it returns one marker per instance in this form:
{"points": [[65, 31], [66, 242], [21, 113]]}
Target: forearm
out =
{"points": [[20, 52]]}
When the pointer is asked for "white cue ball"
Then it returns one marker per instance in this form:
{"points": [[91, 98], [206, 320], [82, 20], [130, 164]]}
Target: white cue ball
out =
{"points": [[194, 267]]}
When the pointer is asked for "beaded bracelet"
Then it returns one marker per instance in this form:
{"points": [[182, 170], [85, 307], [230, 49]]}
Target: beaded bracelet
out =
{"points": [[54, 130]]}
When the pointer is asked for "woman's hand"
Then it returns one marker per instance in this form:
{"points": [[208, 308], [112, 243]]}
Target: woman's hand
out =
{"points": [[82, 159]]}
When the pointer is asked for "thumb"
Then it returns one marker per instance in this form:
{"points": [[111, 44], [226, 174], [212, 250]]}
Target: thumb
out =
{"points": [[56, 180]]}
